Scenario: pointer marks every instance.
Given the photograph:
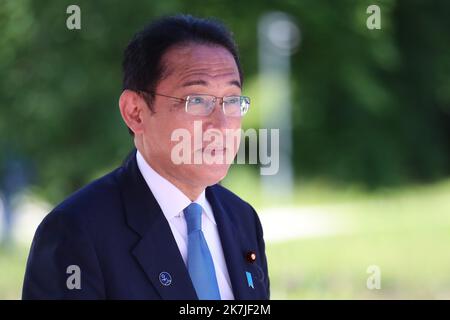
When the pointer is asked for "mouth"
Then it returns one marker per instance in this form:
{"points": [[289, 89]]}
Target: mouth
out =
{"points": [[214, 150]]}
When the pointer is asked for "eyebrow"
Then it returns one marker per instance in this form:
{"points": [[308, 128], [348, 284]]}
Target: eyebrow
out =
{"points": [[204, 83]]}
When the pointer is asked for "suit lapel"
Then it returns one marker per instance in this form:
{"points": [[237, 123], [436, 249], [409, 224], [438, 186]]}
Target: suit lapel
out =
{"points": [[157, 251], [235, 247]]}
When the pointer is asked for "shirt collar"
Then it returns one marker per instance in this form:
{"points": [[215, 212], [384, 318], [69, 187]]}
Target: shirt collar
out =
{"points": [[171, 199]]}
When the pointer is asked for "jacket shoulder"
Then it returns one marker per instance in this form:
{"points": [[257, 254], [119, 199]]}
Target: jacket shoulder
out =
{"points": [[229, 196], [99, 196]]}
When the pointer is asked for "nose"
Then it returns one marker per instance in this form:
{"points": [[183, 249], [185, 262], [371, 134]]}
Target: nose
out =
{"points": [[217, 119]]}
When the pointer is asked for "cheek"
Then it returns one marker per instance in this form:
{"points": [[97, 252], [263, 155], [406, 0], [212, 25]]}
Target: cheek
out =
{"points": [[159, 129], [234, 123], [178, 133]]}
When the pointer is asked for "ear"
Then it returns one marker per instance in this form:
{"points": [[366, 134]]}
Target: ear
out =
{"points": [[131, 107]]}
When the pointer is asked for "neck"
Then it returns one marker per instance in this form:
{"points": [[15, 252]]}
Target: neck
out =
{"points": [[189, 190]]}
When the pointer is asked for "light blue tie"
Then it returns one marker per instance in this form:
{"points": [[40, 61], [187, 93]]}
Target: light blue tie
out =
{"points": [[200, 263]]}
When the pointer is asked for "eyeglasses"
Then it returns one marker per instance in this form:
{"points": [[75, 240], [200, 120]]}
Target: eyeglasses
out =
{"points": [[203, 104]]}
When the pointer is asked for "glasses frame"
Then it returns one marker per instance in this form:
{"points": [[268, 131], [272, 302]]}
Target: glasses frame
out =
{"points": [[186, 100]]}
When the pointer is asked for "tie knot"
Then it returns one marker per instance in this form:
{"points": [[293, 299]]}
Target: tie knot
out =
{"points": [[193, 216]]}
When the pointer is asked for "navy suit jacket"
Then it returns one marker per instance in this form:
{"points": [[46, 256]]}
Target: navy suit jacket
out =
{"points": [[115, 232]]}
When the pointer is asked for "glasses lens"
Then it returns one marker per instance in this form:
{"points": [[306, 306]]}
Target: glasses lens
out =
{"points": [[199, 105], [236, 106], [203, 105]]}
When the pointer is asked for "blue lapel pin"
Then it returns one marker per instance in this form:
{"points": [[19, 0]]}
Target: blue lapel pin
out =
{"points": [[165, 278], [249, 279]]}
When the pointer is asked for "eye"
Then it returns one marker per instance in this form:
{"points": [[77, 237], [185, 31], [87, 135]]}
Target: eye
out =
{"points": [[232, 100], [196, 100]]}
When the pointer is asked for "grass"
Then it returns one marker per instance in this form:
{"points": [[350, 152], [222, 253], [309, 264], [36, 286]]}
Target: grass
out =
{"points": [[405, 232], [12, 269]]}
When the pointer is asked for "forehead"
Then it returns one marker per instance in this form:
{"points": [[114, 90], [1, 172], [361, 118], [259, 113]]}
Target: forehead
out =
{"points": [[194, 62]]}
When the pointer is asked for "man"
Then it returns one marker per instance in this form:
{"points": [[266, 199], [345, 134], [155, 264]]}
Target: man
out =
{"points": [[156, 228]]}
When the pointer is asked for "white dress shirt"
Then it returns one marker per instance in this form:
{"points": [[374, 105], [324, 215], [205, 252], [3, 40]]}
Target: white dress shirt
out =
{"points": [[172, 202]]}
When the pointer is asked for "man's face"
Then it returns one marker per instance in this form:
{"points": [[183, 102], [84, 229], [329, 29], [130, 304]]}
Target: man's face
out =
{"points": [[192, 69]]}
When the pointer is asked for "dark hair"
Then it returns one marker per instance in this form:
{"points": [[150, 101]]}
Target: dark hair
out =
{"points": [[142, 67]]}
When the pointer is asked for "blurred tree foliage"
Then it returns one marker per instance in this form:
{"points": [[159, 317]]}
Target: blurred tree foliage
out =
{"points": [[370, 106]]}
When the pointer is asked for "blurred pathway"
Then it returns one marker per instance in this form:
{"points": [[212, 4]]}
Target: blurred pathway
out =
{"points": [[282, 224]]}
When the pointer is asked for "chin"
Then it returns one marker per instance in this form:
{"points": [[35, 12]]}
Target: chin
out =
{"points": [[213, 173]]}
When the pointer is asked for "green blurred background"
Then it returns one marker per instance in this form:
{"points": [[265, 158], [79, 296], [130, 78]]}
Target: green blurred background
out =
{"points": [[370, 129]]}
